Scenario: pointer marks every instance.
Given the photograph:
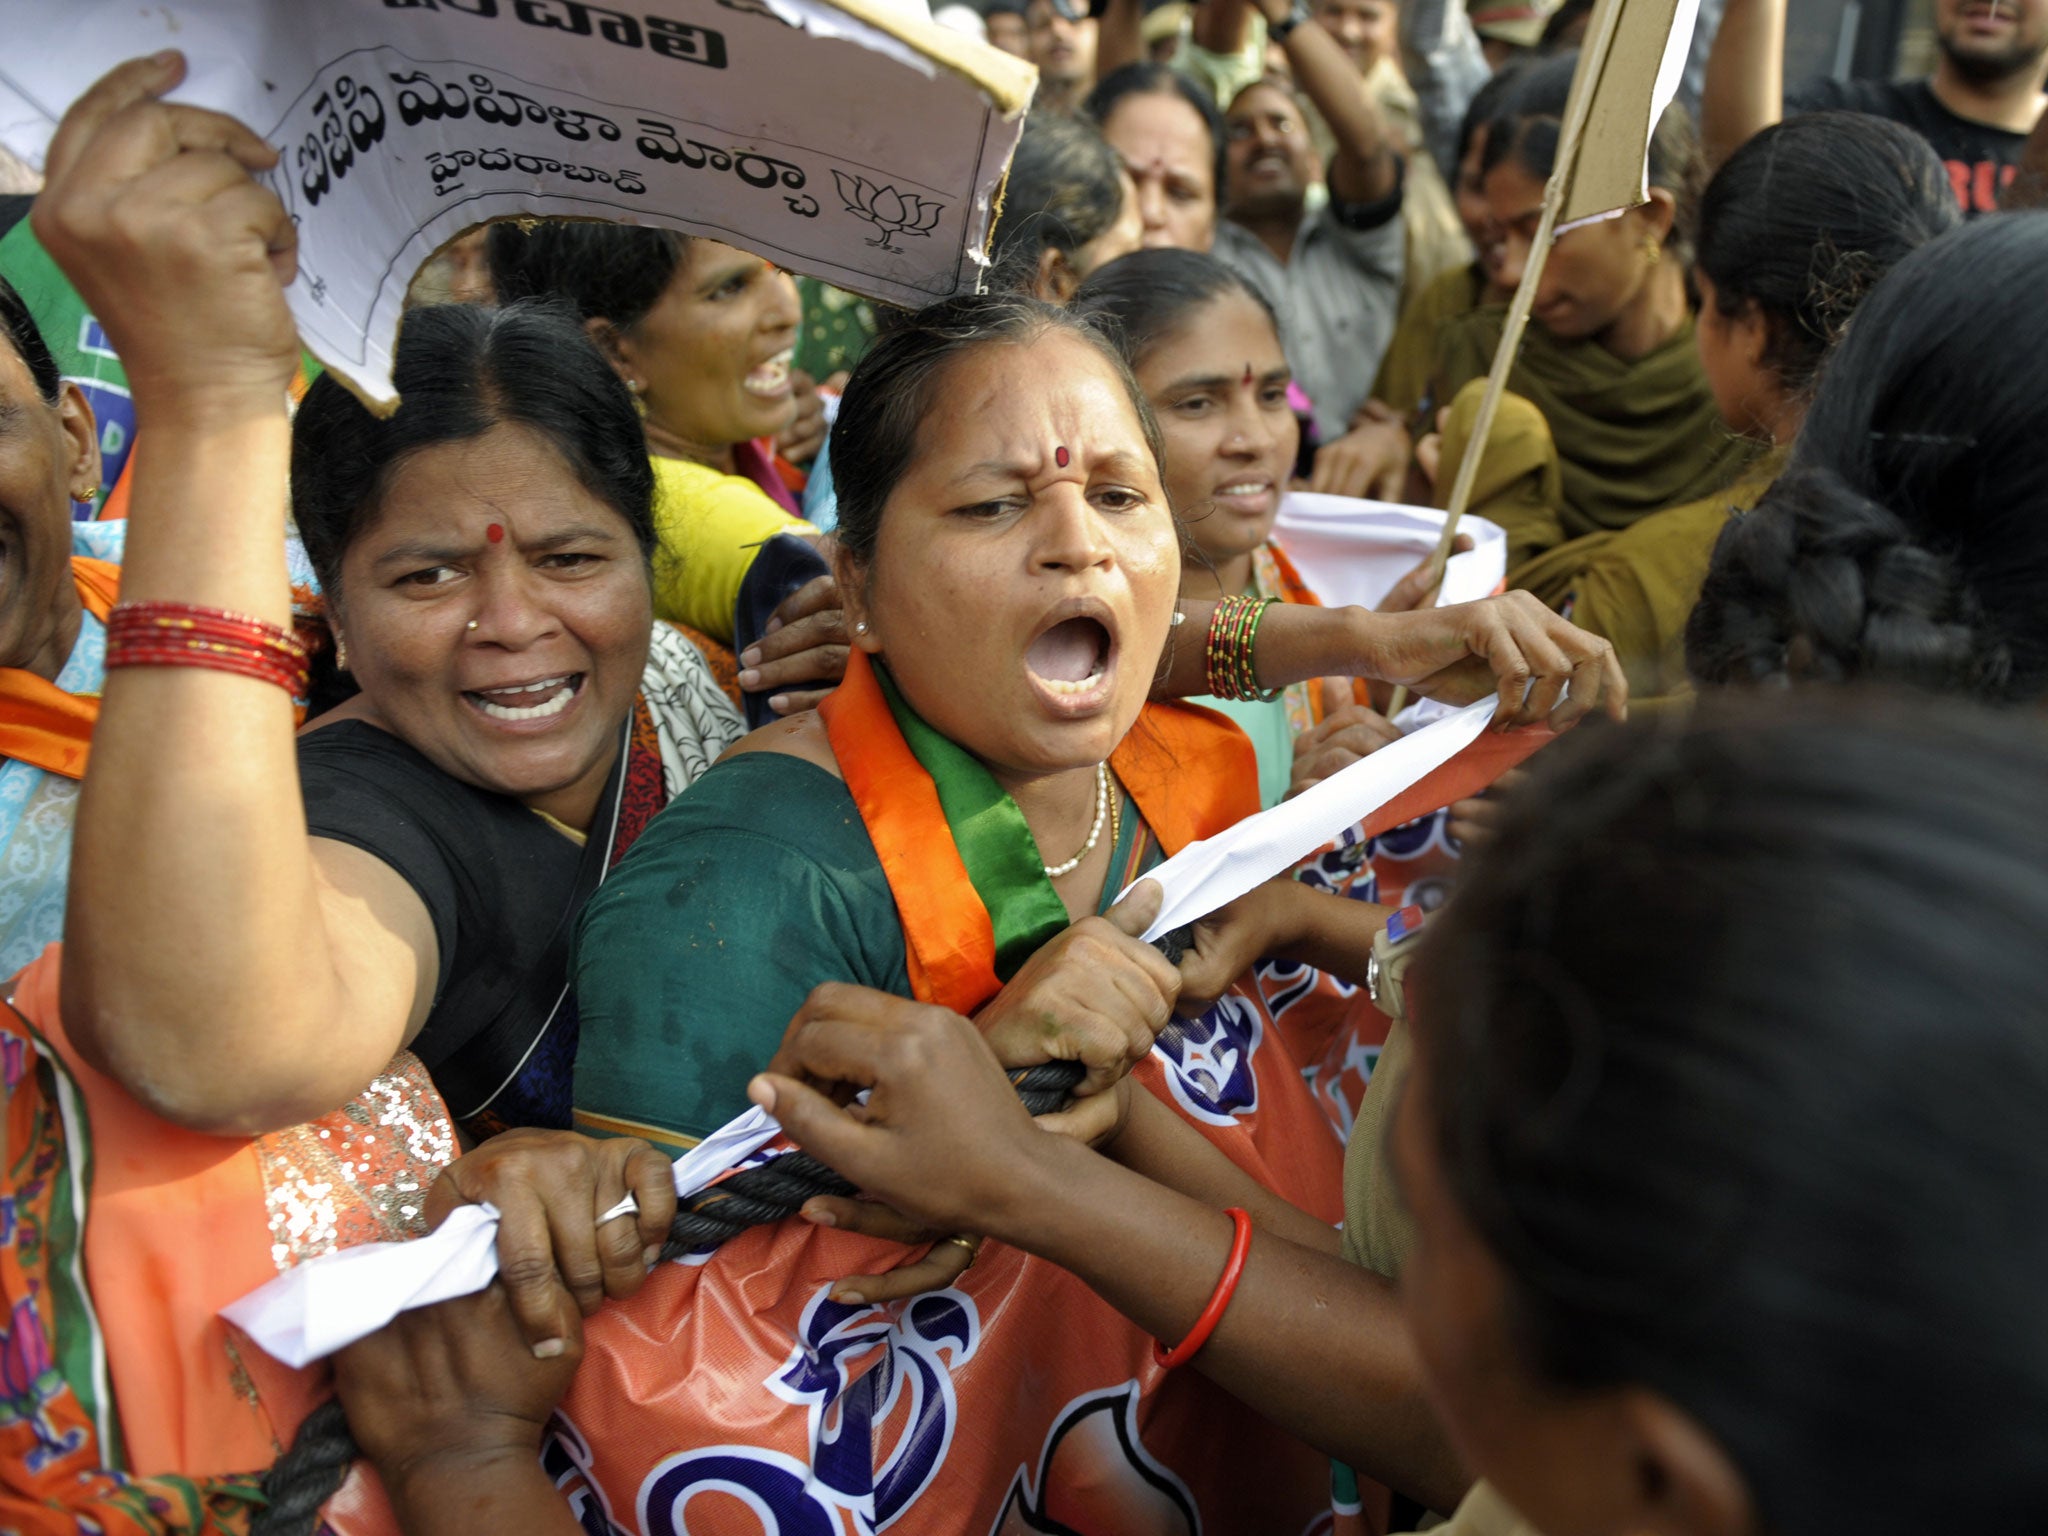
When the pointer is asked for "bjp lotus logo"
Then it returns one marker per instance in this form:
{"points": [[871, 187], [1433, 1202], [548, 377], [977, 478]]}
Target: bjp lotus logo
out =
{"points": [[892, 213]]}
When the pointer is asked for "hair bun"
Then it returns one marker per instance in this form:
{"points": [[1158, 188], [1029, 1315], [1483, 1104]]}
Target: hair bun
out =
{"points": [[1820, 582]]}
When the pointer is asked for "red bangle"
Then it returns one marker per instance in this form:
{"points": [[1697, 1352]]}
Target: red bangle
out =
{"points": [[166, 634], [1219, 1301], [163, 620]]}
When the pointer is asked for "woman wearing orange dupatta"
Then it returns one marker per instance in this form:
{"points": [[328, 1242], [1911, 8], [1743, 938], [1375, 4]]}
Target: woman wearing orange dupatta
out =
{"points": [[955, 828], [251, 921]]}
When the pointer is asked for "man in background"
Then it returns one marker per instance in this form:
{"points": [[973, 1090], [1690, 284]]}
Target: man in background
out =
{"points": [[1064, 51], [1983, 99]]}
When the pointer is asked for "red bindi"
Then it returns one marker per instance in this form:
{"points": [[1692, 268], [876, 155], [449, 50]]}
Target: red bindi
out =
{"points": [[495, 533], [1247, 373], [1060, 457]]}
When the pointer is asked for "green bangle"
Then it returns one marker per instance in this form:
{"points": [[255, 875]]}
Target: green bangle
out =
{"points": [[1251, 676]]}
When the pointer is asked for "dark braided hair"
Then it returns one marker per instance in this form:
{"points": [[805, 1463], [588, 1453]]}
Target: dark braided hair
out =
{"points": [[462, 369], [1907, 540], [1735, 1051], [1806, 217]]}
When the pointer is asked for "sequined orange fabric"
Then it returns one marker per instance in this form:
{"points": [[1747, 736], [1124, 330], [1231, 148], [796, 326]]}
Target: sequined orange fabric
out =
{"points": [[359, 1175]]}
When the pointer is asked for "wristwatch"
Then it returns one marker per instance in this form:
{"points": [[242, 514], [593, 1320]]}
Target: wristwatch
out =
{"points": [[1278, 30], [1387, 970]]}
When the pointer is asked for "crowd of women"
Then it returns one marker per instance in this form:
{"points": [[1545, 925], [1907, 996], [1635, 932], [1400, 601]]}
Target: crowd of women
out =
{"points": [[385, 834]]}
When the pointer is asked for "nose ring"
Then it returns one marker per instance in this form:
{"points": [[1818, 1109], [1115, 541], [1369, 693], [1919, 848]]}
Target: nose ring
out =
{"points": [[472, 623]]}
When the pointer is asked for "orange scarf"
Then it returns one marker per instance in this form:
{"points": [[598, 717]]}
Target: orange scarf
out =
{"points": [[41, 724], [1190, 771]]}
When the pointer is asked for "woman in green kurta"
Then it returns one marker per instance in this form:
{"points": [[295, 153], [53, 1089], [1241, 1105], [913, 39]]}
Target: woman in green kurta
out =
{"points": [[1014, 615], [1793, 230], [1609, 360]]}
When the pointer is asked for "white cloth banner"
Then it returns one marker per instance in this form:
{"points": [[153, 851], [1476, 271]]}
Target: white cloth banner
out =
{"points": [[326, 1304], [1216, 871], [844, 140], [1351, 552]]}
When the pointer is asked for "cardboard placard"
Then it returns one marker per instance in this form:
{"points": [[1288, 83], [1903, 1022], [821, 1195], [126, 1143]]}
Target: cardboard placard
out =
{"points": [[836, 139]]}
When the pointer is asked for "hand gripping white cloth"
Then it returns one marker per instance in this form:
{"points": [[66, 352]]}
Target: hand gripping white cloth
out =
{"points": [[328, 1303]]}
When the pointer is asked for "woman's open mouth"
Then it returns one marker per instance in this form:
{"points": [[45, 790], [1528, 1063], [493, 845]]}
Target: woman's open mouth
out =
{"points": [[770, 381], [1073, 660], [526, 703]]}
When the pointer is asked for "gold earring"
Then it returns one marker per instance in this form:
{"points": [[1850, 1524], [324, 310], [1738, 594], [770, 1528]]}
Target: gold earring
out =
{"points": [[340, 654], [860, 626], [1653, 248]]}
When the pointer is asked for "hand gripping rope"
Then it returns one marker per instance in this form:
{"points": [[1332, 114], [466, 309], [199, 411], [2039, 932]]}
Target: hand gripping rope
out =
{"points": [[317, 1463]]}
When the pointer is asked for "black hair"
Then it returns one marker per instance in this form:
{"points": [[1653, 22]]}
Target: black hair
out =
{"points": [[1736, 1043], [1804, 218], [614, 272], [894, 388], [1140, 299], [1150, 79], [1906, 541], [27, 340], [1065, 188], [1530, 123], [1487, 103], [462, 369]]}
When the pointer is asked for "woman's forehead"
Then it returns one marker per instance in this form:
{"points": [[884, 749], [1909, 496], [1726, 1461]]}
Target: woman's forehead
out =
{"points": [[1015, 392], [509, 472], [1156, 126], [1016, 402], [1230, 329]]}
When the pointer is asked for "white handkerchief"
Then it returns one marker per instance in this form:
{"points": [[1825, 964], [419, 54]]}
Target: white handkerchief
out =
{"points": [[1351, 552], [328, 1303], [1215, 872]]}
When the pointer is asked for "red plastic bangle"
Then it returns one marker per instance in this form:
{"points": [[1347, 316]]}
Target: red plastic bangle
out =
{"points": [[213, 655], [1219, 1300], [168, 634], [150, 621], [170, 615]]}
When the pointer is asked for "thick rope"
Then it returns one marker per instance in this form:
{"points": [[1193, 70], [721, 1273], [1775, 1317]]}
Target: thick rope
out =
{"points": [[314, 1467]]}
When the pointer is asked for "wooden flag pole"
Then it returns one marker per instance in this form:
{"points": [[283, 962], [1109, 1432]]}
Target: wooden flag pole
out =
{"points": [[1592, 61]]}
